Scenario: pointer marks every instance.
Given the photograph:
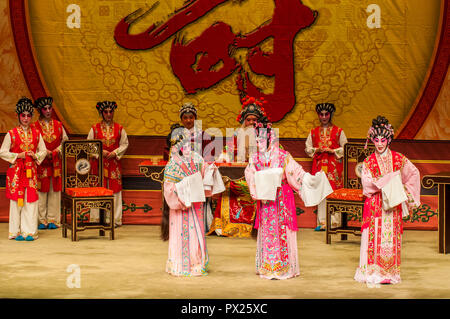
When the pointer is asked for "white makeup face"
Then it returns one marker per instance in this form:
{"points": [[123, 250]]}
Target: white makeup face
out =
{"points": [[47, 111], [108, 114], [25, 118], [381, 144], [324, 117]]}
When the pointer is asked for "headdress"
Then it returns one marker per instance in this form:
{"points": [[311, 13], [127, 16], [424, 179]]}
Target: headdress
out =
{"points": [[43, 101], [251, 106], [24, 105], [380, 127], [188, 107], [101, 106], [264, 133], [176, 135], [329, 107], [180, 166]]}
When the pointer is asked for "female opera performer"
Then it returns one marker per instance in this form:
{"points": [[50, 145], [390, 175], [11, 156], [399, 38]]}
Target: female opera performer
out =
{"points": [[276, 221], [325, 145], [115, 144], [382, 226], [23, 147], [49, 171], [182, 222]]}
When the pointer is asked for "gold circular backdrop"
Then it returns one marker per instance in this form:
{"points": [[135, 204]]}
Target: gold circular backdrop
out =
{"points": [[364, 71]]}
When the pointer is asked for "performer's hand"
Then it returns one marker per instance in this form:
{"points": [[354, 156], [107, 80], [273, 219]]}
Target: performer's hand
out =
{"points": [[319, 150], [111, 155], [105, 153], [49, 154], [21, 155], [31, 154]]}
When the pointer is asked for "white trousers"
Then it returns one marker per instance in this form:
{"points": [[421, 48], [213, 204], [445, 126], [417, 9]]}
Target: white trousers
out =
{"points": [[94, 215], [23, 220], [50, 207]]}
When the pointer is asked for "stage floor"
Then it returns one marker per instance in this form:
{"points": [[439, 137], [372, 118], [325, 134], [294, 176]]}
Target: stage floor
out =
{"points": [[133, 267]]}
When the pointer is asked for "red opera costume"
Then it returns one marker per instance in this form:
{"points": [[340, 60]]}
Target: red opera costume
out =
{"points": [[49, 173], [391, 184], [235, 212], [112, 169], [328, 162], [325, 144], [22, 175], [50, 169], [382, 230], [23, 148], [115, 143]]}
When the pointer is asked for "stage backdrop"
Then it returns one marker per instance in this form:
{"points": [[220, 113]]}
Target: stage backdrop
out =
{"points": [[367, 57], [386, 57]]}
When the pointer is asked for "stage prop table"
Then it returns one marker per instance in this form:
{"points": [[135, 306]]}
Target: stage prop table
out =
{"points": [[441, 179], [155, 170]]}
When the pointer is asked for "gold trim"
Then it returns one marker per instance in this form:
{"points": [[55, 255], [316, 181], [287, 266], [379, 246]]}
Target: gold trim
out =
{"points": [[149, 157], [303, 159], [417, 161]]}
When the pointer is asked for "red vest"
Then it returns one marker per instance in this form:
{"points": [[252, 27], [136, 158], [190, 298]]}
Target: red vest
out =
{"points": [[325, 161], [50, 168], [112, 170], [22, 175]]}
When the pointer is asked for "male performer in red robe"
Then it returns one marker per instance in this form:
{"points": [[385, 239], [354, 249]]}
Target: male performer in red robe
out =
{"points": [[325, 144], [115, 144], [49, 171], [235, 212]]}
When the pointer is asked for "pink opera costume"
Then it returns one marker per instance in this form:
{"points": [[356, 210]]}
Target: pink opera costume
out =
{"points": [[272, 174], [23, 148], [185, 191], [391, 184]]}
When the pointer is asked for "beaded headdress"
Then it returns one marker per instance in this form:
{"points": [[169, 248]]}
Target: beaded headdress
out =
{"points": [[43, 101], [101, 106], [24, 105], [380, 127], [188, 107], [329, 107]]}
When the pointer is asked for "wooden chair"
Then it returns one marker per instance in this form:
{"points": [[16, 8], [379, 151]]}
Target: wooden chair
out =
{"points": [[348, 200], [82, 188]]}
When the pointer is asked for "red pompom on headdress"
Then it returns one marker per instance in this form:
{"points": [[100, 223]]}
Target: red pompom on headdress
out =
{"points": [[251, 106]]}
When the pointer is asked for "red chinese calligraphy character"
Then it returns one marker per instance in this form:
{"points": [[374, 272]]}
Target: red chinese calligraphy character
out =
{"points": [[205, 61], [153, 36], [290, 16], [194, 63]]}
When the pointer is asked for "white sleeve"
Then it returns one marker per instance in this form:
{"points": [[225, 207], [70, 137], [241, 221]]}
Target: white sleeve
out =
{"points": [[315, 188], [90, 134], [339, 152], [310, 150], [5, 153], [123, 144], [41, 150], [64, 138]]}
